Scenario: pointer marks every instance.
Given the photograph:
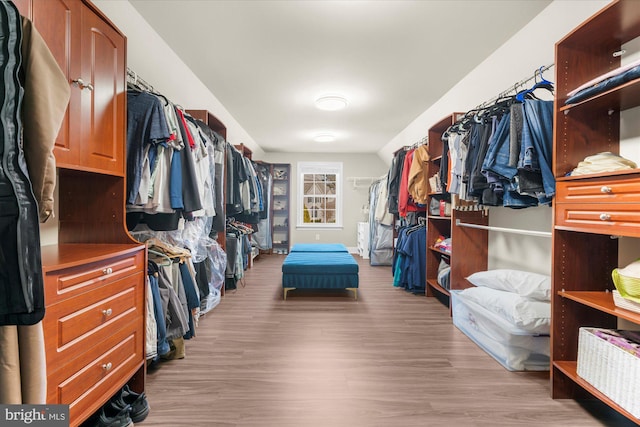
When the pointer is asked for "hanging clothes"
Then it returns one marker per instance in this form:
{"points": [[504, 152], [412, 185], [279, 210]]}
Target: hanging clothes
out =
{"points": [[503, 158], [409, 266], [380, 230], [263, 238]]}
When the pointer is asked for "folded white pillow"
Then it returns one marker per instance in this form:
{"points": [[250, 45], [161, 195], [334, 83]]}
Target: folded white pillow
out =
{"points": [[527, 314], [524, 283]]}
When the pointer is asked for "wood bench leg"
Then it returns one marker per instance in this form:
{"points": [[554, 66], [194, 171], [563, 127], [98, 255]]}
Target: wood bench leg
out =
{"points": [[284, 292]]}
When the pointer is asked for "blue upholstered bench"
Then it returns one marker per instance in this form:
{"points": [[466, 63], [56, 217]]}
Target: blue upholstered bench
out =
{"points": [[319, 247], [319, 270]]}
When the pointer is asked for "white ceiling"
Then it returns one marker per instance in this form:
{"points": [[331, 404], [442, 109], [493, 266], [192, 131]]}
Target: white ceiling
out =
{"points": [[267, 61]]}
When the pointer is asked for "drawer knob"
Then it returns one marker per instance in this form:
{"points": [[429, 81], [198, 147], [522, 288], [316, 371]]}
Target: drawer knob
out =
{"points": [[108, 312], [81, 84], [107, 367], [606, 189], [605, 217], [107, 270]]}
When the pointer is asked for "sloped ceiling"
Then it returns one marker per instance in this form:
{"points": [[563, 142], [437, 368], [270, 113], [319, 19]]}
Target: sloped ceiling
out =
{"points": [[267, 61]]}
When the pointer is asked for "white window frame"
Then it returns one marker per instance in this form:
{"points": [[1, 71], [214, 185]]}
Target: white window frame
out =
{"points": [[319, 168]]}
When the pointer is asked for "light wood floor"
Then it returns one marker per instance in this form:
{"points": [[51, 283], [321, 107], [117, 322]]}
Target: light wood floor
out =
{"points": [[389, 359]]}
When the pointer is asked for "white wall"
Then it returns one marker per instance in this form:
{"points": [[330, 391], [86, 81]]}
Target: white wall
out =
{"points": [[528, 50], [353, 165]]}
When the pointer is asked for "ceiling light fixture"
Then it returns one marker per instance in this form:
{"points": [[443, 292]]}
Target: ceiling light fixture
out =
{"points": [[324, 137], [331, 103]]}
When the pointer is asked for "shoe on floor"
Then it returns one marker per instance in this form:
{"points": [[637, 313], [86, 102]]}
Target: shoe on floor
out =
{"points": [[137, 402], [109, 416]]}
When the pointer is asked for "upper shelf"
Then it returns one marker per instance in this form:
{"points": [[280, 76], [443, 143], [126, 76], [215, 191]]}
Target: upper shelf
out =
{"points": [[623, 97], [602, 301]]}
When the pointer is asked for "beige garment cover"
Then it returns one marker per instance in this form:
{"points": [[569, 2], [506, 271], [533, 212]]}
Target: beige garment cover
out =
{"points": [[23, 375], [46, 96]]}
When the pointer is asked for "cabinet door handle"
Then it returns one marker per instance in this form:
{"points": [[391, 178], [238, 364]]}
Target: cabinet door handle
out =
{"points": [[81, 84], [108, 312], [606, 189], [107, 367], [605, 217]]}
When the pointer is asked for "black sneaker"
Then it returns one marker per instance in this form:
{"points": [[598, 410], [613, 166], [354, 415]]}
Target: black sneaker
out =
{"points": [[137, 402], [109, 416]]}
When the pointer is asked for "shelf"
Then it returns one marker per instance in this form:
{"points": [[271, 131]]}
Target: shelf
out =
{"points": [[569, 368], [440, 251], [436, 286], [622, 97], [604, 175], [437, 217], [602, 301]]}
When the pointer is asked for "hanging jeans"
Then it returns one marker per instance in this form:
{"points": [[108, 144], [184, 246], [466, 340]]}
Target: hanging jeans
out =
{"points": [[537, 144]]}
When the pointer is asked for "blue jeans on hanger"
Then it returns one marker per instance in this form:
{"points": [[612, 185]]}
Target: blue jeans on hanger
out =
{"points": [[537, 143]]}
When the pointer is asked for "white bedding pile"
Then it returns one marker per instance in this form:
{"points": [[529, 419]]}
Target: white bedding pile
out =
{"points": [[508, 314]]}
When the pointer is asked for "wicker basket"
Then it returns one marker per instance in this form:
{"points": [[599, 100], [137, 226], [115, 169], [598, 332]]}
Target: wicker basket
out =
{"points": [[610, 369]]}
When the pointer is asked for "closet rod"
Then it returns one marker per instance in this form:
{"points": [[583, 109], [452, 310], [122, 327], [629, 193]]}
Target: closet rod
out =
{"points": [[505, 230], [135, 79], [514, 88]]}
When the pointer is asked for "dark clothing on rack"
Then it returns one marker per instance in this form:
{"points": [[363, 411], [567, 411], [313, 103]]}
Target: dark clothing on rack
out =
{"points": [[146, 124], [203, 277], [191, 294], [393, 180], [161, 327], [218, 145], [190, 195]]}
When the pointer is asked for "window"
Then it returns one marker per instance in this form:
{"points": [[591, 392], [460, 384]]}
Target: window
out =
{"points": [[319, 195]]}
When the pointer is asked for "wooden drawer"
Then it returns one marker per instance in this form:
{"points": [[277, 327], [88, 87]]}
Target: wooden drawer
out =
{"points": [[604, 218], [77, 324], [98, 374], [69, 282], [620, 189]]}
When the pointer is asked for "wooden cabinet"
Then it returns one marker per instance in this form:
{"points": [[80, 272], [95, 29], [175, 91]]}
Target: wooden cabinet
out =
{"points": [[590, 209], [88, 49], [280, 208], [94, 325], [468, 246]]}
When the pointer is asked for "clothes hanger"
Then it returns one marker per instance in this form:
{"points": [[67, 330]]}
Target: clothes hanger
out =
{"points": [[542, 84], [167, 261]]}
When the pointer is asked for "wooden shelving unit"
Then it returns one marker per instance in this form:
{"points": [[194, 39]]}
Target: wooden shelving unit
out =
{"points": [[468, 246], [589, 209], [280, 208]]}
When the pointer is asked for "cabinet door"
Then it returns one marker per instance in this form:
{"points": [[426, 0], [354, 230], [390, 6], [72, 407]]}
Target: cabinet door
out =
{"points": [[103, 103], [58, 21]]}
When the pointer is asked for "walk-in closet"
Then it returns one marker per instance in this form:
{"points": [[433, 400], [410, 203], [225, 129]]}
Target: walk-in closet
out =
{"points": [[310, 213]]}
